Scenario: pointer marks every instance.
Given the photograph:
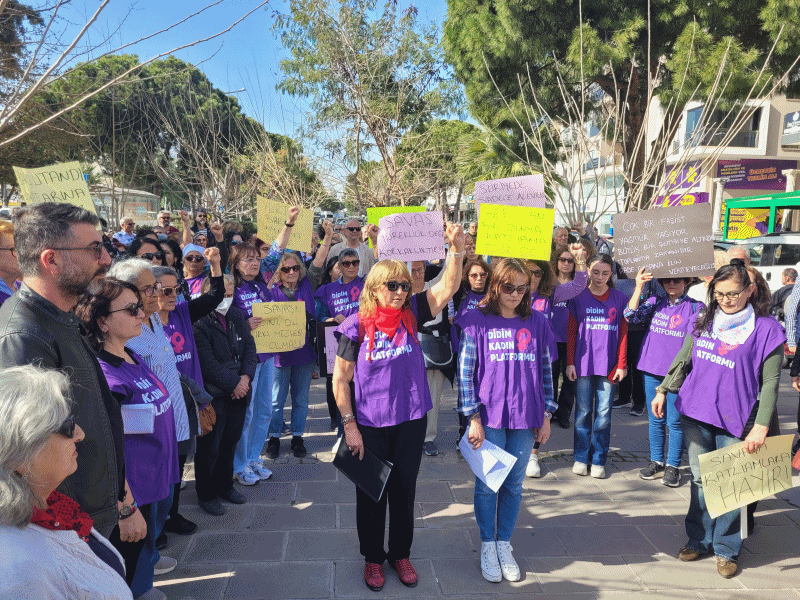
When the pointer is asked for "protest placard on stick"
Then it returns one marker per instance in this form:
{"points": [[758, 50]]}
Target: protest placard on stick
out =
{"points": [[326, 347], [515, 231], [62, 182], [525, 190], [733, 478], [271, 218], [665, 241], [283, 327], [376, 213], [411, 236]]}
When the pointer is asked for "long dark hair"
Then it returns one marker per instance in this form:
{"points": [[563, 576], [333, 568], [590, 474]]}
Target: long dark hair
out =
{"points": [[556, 254], [176, 250], [94, 306], [736, 271], [606, 260], [483, 265], [504, 272], [238, 252], [547, 281]]}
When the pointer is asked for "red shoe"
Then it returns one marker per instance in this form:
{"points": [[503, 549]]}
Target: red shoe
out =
{"points": [[407, 574], [373, 576]]}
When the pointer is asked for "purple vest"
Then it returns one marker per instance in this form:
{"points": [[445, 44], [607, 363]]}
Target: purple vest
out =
{"points": [[392, 388], [151, 460], [246, 295], [180, 332], [541, 304], [664, 338], [598, 331], [341, 298], [305, 354], [469, 302], [723, 385], [195, 284], [509, 370]]}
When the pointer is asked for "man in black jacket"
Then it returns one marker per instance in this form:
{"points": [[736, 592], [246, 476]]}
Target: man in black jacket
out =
{"points": [[60, 252], [228, 360]]}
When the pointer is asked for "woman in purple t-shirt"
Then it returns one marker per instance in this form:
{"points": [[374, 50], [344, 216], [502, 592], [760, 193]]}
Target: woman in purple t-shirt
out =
{"points": [[733, 359], [194, 264], [505, 346]]}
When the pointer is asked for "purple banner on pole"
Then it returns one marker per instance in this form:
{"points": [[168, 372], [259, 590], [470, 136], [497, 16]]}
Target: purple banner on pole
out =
{"points": [[687, 199], [682, 177], [754, 173]]}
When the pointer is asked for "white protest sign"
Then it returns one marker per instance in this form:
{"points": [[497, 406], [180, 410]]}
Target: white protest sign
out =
{"points": [[411, 236], [526, 190]]}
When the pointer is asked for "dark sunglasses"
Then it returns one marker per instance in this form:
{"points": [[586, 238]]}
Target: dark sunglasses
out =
{"points": [[67, 428], [569, 261], [393, 286], [150, 255], [295, 268], [350, 263], [193, 258], [168, 291], [672, 280], [510, 289], [353, 228], [133, 309]]}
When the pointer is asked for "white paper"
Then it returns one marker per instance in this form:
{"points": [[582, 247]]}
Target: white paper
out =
{"points": [[490, 463], [138, 418]]}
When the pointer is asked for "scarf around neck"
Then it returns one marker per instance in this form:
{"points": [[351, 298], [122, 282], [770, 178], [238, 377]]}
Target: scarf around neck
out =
{"points": [[63, 514], [735, 328], [387, 320]]}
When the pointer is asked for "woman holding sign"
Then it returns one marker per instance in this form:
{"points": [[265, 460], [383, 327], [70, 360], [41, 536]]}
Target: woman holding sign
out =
{"points": [[733, 358], [380, 351], [506, 392]]}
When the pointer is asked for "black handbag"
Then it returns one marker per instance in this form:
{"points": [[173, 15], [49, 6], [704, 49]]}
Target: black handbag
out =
{"points": [[436, 350]]}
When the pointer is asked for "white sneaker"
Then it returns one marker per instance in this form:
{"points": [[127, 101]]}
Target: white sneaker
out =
{"points": [[533, 469], [490, 564], [598, 472], [579, 468], [508, 565], [260, 470], [246, 476], [164, 565]]}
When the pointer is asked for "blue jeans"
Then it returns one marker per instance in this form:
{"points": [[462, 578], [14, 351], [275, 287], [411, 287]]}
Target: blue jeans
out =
{"points": [[503, 507], [593, 395], [299, 378], [155, 515], [723, 533], [659, 426], [256, 421]]}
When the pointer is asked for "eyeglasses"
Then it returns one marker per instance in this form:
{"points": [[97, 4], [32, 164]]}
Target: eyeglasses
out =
{"points": [[165, 218], [12, 250], [569, 261], [67, 428], [194, 258], [537, 273], [510, 289], [169, 290], [251, 260], [150, 255], [478, 275], [393, 286], [96, 247], [152, 290], [132, 308], [295, 268], [234, 242], [350, 263], [733, 296], [353, 229]]}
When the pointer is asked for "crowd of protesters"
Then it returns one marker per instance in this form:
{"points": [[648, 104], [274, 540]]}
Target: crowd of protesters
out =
{"points": [[123, 356]]}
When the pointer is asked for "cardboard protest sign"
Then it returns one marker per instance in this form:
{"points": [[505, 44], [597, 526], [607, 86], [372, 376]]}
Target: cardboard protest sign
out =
{"points": [[326, 347], [526, 190], [411, 236], [376, 213], [271, 217], [62, 182], [515, 231], [283, 327], [665, 241], [733, 478]]}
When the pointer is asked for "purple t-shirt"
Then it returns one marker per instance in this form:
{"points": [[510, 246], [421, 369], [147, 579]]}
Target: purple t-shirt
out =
{"points": [[664, 338], [151, 460], [392, 388], [341, 298], [196, 284], [541, 304], [469, 302], [509, 378], [598, 331], [560, 312], [306, 354], [180, 333], [723, 385], [248, 294]]}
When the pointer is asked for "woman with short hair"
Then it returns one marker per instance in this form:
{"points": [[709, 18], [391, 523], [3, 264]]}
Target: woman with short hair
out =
{"points": [[194, 268], [50, 548]]}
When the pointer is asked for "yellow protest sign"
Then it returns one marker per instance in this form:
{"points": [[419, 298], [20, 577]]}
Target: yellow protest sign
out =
{"points": [[283, 326], [271, 217], [62, 182], [515, 231], [376, 213], [732, 478]]}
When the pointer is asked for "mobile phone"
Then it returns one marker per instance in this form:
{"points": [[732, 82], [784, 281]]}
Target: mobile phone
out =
{"points": [[573, 237]]}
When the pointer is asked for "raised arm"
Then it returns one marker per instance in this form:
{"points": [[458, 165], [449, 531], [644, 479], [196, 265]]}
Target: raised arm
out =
{"points": [[325, 246], [283, 237], [439, 294], [186, 234]]}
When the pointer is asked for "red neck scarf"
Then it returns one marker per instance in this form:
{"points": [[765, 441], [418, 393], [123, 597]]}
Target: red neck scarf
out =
{"points": [[387, 320], [63, 514]]}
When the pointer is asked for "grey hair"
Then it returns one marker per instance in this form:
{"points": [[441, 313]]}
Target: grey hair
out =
{"points": [[33, 404], [161, 271], [206, 287], [348, 252], [42, 226], [130, 269]]}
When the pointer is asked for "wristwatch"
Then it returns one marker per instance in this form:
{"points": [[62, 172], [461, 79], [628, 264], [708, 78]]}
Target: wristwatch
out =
{"points": [[548, 415], [126, 511]]}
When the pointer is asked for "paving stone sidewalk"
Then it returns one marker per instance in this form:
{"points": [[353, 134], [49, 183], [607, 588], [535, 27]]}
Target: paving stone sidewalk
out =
{"points": [[576, 537]]}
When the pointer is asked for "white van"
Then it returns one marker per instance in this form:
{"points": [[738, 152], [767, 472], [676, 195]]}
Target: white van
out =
{"points": [[773, 253]]}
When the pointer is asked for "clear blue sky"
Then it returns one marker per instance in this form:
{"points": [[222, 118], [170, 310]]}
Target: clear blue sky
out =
{"points": [[246, 57]]}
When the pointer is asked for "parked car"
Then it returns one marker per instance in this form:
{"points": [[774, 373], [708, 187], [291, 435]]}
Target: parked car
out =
{"points": [[771, 254]]}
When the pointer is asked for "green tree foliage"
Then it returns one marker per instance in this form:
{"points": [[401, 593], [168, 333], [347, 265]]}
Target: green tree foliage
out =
{"points": [[16, 22]]}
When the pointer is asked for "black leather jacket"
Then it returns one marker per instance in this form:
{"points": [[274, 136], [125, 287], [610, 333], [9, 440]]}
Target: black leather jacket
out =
{"points": [[34, 331]]}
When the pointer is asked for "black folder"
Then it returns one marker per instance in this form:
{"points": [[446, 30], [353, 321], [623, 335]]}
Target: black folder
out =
{"points": [[370, 473]]}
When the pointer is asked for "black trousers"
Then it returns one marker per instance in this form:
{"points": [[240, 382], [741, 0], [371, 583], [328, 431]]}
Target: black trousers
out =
{"points": [[402, 446], [176, 491], [565, 397], [631, 389], [130, 551], [213, 460]]}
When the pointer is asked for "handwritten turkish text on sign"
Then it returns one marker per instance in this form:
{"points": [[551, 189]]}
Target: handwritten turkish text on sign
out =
{"points": [[526, 190], [411, 236], [283, 326], [376, 213], [665, 241], [515, 231], [62, 182], [732, 478], [326, 347], [271, 218]]}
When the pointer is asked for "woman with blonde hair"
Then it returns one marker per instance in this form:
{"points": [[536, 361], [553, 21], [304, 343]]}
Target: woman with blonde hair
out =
{"points": [[379, 350]]}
